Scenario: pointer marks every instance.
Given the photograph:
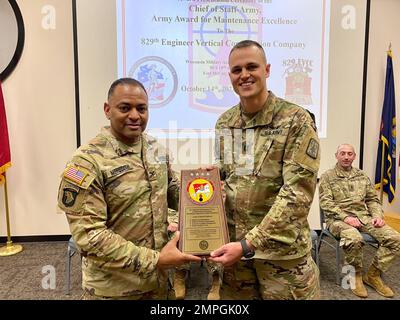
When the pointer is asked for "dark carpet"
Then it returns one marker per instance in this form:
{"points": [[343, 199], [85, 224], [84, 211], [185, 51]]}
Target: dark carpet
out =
{"points": [[39, 273]]}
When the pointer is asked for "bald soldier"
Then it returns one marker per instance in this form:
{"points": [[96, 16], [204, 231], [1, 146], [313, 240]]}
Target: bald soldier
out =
{"points": [[115, 192], [351, 206], [268, 154]]}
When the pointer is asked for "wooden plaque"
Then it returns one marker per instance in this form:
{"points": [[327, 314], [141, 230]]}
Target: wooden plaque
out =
{"points": [[202, 219]]}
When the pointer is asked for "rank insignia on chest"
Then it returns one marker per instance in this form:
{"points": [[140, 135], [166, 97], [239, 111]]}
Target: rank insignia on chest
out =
{"points": [[312, 149], [75, 175], [161, 159]]}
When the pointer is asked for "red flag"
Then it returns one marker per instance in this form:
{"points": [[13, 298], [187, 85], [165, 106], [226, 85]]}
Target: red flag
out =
{"points": [[5, 156]]}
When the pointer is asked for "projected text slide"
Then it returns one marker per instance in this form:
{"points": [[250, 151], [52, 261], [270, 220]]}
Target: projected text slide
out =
{"points": [[179, 50]]}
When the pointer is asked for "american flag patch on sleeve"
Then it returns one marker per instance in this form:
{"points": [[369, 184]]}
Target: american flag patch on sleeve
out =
{"points": [[75, 175]]}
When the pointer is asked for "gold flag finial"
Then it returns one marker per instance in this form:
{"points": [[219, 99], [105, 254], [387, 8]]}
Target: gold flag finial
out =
{"points": [[390, 49]]}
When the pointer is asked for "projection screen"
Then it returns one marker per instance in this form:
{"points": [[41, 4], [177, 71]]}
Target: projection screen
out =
{"points": [[179, 50]]}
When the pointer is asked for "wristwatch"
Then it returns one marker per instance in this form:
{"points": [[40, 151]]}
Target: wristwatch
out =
{"points": [[247, 252]]}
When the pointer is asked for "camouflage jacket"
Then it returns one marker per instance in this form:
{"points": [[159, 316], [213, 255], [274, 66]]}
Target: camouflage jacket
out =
{"points": [[173, 216], [351, 193], [270, 180], [116, 198]]}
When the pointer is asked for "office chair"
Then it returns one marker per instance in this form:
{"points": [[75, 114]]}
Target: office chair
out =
{"points": [[72, 249], [334, 243]]}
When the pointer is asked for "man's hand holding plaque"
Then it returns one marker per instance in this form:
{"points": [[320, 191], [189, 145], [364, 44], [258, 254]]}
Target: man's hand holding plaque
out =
{"points": [[202, 219]]}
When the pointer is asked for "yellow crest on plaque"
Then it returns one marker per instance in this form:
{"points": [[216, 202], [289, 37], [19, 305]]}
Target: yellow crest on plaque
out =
{"points": [[200, 190]]}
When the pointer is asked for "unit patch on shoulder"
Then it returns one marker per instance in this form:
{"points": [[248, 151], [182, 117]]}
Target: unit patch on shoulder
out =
{"points": [[312, 149], [75, 175], [69, 197]]}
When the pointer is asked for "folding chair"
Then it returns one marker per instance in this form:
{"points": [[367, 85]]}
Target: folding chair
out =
{"points": [[334, 243]]}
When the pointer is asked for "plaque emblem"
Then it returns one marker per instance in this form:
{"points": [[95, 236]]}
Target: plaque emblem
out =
{"points": [[200, 191], [203, 245]]}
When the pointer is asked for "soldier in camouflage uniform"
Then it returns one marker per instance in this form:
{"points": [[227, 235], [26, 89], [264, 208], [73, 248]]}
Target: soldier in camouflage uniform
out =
{"points": [[115, 192], [351, 205], [270, 181]]}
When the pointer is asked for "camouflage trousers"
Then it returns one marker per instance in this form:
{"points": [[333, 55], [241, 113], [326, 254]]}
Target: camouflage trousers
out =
{"points": [[352, 242], [152, 295], [163, 292], [256, 279]]}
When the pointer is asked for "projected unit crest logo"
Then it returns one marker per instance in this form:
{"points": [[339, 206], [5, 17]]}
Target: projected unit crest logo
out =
{"points": [[298, 81], [158, 77]]}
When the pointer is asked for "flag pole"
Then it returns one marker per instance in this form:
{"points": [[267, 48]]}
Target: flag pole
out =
{"points": [[10, 249], [389, 52], [382, 168]]}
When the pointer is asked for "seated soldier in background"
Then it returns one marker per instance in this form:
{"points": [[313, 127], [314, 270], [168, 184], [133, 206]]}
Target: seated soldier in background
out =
{"points": [[182, 272], [351, 206]]}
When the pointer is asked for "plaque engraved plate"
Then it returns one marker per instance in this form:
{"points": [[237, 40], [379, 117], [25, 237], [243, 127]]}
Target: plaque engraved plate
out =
{"points": [[202, 219]]}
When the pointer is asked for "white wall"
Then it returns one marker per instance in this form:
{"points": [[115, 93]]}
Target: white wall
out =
{"points": [[384, 28], [346, 60], [39, 100], [97, 61]]}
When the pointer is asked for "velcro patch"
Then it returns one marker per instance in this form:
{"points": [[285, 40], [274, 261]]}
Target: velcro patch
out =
{"points": [[312, 149], [270, 132], [308, 153], [75, 175], [69, 197], [120, 170]]}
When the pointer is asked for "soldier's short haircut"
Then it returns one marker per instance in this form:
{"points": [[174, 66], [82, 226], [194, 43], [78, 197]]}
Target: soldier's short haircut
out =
{"points": [[312, 115], [249, 43], [124, 82], [345, 144]]}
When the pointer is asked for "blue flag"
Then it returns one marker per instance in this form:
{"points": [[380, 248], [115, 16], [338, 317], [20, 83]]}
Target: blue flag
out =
{"points": [[387, 136]]}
